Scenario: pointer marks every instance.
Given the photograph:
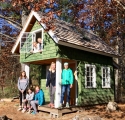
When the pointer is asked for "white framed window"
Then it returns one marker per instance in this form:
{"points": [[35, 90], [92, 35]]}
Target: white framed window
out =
{"points": [[29, 42], [90, 76], [105, 77]]}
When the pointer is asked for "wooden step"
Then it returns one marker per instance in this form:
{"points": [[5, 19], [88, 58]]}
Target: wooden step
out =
{"points": [[56, 112]]}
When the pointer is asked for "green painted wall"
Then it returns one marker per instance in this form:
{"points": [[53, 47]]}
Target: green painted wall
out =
{"points": [[43, 83], [88, 96], [49, 51]]}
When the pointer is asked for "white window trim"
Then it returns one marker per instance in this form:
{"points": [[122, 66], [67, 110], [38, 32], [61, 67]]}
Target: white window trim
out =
{"points": [[109, 85], [34, 38], [94, 76]]}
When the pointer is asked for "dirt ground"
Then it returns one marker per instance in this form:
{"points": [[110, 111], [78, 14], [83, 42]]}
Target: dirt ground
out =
{"points": [[10, 110]]}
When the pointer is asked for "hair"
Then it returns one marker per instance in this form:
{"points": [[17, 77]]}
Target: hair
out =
{"points": [[51, 65], [35, 43], [39, 38], [30, 88], [24, 75], [37, 86]]}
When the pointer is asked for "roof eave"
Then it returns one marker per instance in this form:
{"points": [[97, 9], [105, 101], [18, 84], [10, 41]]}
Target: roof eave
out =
{"points": [[87, 49]]}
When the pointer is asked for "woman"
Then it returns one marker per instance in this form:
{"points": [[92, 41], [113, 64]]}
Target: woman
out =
{"points": [[51, 83], [39, 99], [23, 83]]}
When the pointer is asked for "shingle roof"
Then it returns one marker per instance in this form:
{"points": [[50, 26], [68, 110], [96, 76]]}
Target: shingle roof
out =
{"points": [[67, 32]]}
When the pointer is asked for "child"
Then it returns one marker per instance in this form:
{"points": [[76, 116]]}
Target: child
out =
{"points": [[38, 101], [23, 83], [27, 101], [35, 47]]}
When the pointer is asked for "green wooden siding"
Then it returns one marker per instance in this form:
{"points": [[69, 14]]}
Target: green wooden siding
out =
{"points": [[43, 83], [88, 96], [94, 95], [49, 51]]}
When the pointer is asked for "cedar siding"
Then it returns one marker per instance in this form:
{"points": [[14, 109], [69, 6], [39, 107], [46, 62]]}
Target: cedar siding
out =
{"points": [[49, 51], [88, 96]]}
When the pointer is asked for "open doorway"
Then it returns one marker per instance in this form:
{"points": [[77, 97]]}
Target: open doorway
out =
{"points": [[73, 90]]}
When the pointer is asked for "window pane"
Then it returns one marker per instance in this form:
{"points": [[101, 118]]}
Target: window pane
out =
{"points": [[88, 79], [87, 69], [103, 81], [88, 84], [87, 73]]}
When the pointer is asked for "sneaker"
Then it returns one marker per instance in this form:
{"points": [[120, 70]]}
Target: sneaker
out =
{"points": [[29, 112], [24, 110], [19, 109], [34, 113], [60, 106], [67, 105]]}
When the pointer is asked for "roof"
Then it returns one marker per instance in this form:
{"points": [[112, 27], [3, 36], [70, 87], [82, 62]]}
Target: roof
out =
{"points": [[67, 34]]}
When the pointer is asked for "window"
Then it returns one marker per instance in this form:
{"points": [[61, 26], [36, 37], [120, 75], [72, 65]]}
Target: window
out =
{"points": [[90, 76], [105, 77], [32, 41]]}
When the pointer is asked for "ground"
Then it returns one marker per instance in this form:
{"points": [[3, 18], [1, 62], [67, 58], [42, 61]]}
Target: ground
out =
{"points": [[10, 110]]}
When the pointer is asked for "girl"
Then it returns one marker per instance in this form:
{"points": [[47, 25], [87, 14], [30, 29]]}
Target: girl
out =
{"points": [[39, 99], [23, 83], [51, 82], [27, 101], [35, 47]]}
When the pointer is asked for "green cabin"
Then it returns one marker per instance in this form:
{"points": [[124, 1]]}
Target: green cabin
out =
{"points": [[90, 58]]}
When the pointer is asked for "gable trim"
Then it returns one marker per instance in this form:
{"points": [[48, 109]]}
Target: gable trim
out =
{"points": [[23, 30]]}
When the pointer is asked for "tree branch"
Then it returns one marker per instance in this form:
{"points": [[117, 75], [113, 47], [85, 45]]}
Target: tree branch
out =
{"points": [[8, 36], [120, 4], [12, 22]]}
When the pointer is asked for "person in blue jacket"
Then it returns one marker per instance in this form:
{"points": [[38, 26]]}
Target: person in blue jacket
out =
{"points": [[38, 99], [66, 84]]}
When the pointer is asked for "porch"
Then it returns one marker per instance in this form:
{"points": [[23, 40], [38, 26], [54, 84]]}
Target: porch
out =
{"points": [[59, 66], [56, 112]]}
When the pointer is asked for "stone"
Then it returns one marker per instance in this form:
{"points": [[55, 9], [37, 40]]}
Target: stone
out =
{"points": [[112, 106], [4, 117]]}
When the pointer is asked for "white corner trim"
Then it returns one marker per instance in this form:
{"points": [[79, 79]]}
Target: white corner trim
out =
{"points": [[23, 30]]}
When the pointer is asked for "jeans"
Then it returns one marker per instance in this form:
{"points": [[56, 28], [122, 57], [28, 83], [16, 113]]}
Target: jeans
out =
{"points": [[22, 96], [52, 93], [34, 104], [65, 88]]}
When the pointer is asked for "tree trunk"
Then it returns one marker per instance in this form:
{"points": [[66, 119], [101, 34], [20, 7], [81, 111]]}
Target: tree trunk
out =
{"points": [[23, 18]]}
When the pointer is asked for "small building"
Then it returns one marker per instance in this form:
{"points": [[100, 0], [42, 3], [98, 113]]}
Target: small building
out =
{"points": [[85, 52]]}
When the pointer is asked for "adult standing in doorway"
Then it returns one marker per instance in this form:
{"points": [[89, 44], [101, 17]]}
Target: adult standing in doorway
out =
{"points": [[67, 83], [23, 83], [51, 83]]}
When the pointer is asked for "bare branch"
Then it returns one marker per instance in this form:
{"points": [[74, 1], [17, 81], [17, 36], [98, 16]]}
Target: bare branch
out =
{"points": [[12, 22], [7, 36], [120, 4]]}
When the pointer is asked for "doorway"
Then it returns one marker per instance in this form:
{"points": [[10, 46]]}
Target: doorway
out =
{"points": [[73, 90]]}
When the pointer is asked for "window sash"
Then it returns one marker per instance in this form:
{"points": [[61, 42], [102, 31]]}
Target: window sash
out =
{"points": [[90, 76], [27, 39], [105, 77]]}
